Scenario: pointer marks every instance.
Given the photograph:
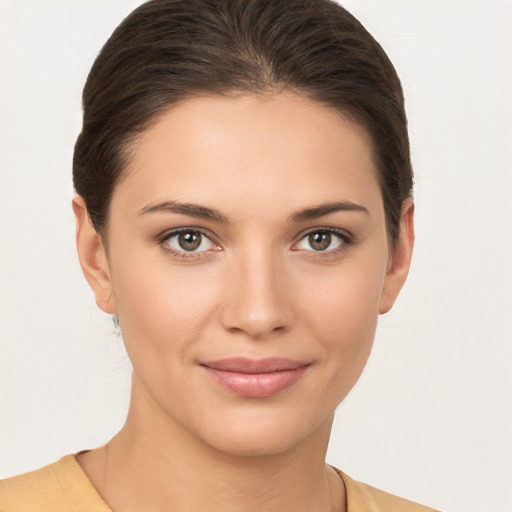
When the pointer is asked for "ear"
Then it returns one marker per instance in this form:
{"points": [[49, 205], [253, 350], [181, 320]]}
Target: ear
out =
{"points": [[400, 259], [93, 258]]}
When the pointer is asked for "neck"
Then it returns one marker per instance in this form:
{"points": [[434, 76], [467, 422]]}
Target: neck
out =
{"points": [[160, 466]]}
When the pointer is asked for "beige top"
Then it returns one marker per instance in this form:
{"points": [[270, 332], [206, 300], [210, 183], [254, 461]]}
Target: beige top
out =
{"points": [[64, 487]]}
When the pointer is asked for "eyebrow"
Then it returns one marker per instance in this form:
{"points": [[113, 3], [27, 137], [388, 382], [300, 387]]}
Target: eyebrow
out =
{"points": [[326, 209], [202, 212], [189, 209]]}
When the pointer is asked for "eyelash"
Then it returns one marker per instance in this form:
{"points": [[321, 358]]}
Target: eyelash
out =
{"points": [[186, 255], [346, 238]]}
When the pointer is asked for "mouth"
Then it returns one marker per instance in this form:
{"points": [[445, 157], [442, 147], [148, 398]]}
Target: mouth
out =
{"points": [[255, 378]]}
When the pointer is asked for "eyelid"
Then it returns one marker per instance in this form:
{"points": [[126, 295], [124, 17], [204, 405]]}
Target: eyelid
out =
{"points": [[164, 236], [347, 238]]}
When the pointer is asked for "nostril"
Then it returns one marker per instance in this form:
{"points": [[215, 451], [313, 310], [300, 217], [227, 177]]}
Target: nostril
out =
{"points": [[256, 302], [244, 316]]}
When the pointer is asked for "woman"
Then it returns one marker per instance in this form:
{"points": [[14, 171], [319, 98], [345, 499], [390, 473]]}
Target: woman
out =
{"points": [[244, 211]]}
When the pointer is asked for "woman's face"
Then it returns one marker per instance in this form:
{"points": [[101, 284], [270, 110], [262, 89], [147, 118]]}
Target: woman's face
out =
{"points": [[248, 262]]}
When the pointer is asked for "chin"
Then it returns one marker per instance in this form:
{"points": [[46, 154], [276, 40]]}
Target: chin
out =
{"points": [[254, 446], [265, 436]]}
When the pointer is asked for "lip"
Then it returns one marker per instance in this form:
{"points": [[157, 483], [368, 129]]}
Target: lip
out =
{"points": [[255, 378]]}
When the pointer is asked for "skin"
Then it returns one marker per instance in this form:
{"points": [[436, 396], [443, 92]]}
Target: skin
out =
{"points": [[256, 288]]}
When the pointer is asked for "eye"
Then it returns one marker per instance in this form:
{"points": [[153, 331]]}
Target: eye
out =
{"points": [[322, 240], [188, 240]]}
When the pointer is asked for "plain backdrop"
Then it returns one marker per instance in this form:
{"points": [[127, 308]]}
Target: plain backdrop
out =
{"points": [[431, 417]]}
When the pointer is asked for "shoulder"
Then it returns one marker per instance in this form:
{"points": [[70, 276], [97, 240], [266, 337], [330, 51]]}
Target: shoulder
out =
{"points": [[41, 489], [365, 498], [58, 487]]}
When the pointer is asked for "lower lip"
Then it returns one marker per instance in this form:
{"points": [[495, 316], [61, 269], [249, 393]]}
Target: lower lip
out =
{"points": [[256, 385]]}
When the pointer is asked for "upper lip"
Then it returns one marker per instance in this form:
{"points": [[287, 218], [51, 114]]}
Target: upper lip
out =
{"points": [[247, 365]]}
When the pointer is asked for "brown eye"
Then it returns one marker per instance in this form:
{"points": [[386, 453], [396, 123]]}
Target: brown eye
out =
{"points": [[320, 240], [189, 240], [323, 240]]}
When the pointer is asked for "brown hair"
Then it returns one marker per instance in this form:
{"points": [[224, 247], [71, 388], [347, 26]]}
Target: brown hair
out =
{"points": [[168, 50]]}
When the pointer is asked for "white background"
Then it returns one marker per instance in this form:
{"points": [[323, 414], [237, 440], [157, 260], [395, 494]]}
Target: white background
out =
{"points": [[431, 418]]}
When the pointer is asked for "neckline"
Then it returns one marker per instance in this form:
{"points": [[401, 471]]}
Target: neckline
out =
{"points": [[96, 500], [80, 493]]}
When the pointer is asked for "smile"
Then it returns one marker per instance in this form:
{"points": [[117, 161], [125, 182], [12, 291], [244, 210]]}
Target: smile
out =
{"points": [[255, 378]]}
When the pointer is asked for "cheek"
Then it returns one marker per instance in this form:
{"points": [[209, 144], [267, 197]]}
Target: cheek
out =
{"points": [[342, 312], [162, 307]]}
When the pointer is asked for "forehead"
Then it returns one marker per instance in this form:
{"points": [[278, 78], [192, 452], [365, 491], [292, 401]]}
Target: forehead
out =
{"points": [[253, 146]]}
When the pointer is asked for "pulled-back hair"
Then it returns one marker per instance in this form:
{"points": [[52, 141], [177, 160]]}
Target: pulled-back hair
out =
{"points": [[169, 50]]}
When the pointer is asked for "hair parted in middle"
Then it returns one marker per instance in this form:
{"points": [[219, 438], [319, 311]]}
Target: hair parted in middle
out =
{"points": [[169, 50]]}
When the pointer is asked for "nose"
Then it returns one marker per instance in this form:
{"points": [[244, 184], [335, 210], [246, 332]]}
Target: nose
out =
{"points": [[259, 301]]}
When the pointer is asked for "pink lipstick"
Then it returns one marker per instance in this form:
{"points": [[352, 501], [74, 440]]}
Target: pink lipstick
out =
{"points": [[255, 378]]}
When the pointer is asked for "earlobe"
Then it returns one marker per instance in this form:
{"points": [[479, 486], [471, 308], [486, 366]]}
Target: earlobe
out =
{"points": [[93, 258], [400, 259]]}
